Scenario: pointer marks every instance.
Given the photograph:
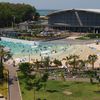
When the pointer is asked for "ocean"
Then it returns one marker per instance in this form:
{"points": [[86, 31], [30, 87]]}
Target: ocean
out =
{"points": [[45, 12]]}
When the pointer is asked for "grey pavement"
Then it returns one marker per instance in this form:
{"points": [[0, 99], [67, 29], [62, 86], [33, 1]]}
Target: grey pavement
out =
{"points": [[72, 42], [2, 99], [14, 89]]}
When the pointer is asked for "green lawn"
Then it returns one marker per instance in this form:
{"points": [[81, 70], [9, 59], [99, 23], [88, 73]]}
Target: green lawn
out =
{"points": [[89, 36], [4, 85], [55, 89], [4, 89]]}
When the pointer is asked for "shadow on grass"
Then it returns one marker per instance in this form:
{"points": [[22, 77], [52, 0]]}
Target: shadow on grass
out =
{"points": [[40, 99], [78, 82], [21, 77], [66, 85], [94, 83], [52, 91], [28, 87], [98, 92]]}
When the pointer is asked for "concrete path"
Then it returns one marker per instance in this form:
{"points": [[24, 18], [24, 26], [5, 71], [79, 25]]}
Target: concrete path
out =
{"points": [[14, 88]]}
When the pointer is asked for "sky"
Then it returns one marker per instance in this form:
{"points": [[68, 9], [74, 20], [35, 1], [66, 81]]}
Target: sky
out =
{"points": [[59, 4]]}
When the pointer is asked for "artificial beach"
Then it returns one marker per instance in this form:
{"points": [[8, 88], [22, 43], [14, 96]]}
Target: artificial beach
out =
{"points": [[24, 50]]}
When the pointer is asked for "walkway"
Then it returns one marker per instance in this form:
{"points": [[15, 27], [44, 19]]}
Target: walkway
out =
{"points": [[14, 89]]}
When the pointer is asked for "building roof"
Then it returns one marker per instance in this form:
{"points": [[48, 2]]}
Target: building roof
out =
{"points": [[87, 10]]}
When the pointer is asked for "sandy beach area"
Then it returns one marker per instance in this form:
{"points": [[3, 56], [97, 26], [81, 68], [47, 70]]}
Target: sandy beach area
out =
{"points": [[82, 50]]}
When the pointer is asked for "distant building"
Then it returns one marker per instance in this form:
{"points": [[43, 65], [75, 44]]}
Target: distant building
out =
{"points": [[24, 26], [8, 32], [77, 20], [43, 18]]}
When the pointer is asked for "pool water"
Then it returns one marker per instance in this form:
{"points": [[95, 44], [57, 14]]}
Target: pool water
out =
{"points": [[21, 49]]}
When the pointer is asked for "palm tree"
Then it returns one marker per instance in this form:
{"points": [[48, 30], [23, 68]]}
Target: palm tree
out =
{"points": [[57, 62], [25, 68], [81, 64], [86, 62], [92, 59], [46, 63], [62, 76], [73, 61], [4, 56], [37, 65], [67, 60]]}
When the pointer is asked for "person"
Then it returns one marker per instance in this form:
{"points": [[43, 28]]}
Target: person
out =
{"points": [[13, 63]]}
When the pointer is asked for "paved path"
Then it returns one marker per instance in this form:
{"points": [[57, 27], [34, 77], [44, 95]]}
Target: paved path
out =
{"points": [[72, 42], [78, 79], [14, 89]]}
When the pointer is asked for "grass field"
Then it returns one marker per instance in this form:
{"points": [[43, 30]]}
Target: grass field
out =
{"points": [[58, 90], [90, 36], [4, 85], [4, 89]]}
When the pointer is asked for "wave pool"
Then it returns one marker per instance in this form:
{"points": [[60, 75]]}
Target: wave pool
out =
{"points": [[20, 49]]}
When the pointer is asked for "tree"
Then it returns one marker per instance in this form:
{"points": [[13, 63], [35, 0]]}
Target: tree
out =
{"points": [[44, 79], [37, 65], [36, 16], [81, 64], [36, 83], [92, 59], [91, 80], [25, 68], [16, 13], [67, 60], [4, 56], [63, 76], [57, 62], [33, 82], [73, 61], [46, 63]]}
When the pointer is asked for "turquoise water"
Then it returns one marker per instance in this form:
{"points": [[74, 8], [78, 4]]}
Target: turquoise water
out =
{"points": [[45, 12], [21, 49]]}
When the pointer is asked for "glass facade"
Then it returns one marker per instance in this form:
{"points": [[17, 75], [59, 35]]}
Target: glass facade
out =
{"points": [[71, 19], [75, 20]]}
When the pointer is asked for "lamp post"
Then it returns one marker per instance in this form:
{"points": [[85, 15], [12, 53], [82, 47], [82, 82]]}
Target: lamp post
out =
{"points": [[97, 42], [13, 21], [29, 57]]}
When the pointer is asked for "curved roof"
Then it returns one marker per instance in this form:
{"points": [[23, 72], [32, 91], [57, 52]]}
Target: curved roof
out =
{"points": [[87, 10]]}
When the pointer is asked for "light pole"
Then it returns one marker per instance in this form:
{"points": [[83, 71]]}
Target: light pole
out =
{"points": [[30, 52], [13, 21], [29, 57]]}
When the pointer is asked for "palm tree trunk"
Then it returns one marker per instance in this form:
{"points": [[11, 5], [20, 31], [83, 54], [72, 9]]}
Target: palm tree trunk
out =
{"points": [[92, 65], [1, 68], [34, 94], [44, 89]]}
